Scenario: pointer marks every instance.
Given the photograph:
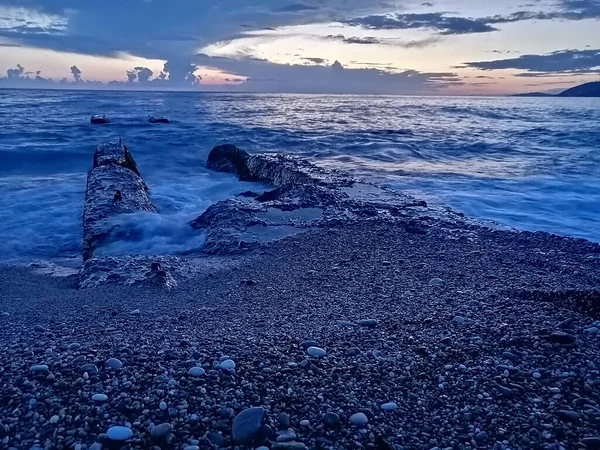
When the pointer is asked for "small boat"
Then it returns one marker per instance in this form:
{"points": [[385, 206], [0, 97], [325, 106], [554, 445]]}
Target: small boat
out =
{"points": [[99, 119], [153, 119]]}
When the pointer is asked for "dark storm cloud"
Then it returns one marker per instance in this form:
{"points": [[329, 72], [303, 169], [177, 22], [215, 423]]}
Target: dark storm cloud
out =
{"points": [[559, 62], [369, 40]]}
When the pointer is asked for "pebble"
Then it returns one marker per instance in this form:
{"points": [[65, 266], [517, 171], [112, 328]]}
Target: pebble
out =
{"points": [[162, 406], [481, 436], [369, 323], [161, 430], [560, 337], [459, 320], [228, 364], [40, 368], [389, 406], [307, 344], [536, 375], [196, 371], [118, 433], [39, 329], [114, 363], [330, 419], [135, 312], [304, 423], [591, 330], [247, 424], [592, 442], [436, 282], [193, 447], [286, 435], [89, 369], [54, 419], [289, 446], [99, 397], [359, 419], [316, 352]]}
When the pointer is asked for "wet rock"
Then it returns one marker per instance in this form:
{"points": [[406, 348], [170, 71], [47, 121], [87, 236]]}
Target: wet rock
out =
{"points": [[359, 419], [568, 416], [316, 352], [368, 323], [160, 431], [288, 446], [330, 419], [118, 433], [560, 337]]}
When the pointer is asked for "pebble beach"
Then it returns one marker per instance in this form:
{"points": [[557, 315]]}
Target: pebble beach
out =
{"points": [[361, 335]]}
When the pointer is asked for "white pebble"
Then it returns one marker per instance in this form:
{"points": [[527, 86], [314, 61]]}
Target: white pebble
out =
{"points": [[228, 364], [389, 406], [99, 397], [196, 371], [316, 352], [358, 419]]}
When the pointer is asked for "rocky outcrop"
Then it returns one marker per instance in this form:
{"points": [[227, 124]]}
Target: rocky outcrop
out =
{"points": [[114, 187], [304, 196]]}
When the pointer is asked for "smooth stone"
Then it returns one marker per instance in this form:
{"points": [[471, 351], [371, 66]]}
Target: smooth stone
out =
{"points": [[39, 329], [228, 364], [54, 419], [135, 312], [40, 368], [316, 352], [304, 423], [161, 430], [481, 436], [459, 320], [91, 369], [74, 346], [436, 282], [196, 371], [247, 424], [591, 330], [289, 446], [215, 439], [359, 419], [192, 447], [99, 397], [330, 419], [354, 351], [369, 323], [114, 363], [286, 435], [389, 406], [119, 433]]}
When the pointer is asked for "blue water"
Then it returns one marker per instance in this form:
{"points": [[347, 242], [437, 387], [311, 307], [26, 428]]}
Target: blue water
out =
{"points": [[528, 163]]}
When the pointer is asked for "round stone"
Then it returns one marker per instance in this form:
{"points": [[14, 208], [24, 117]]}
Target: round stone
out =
{"points": [[389, 406], [196, 371], [330, 419], [119, 433], [89, 368], [359, 419], [40, 368], [369, 323], [304, 423], [228, 364], [163, 406], [161, 430], [114, 363], [436, 282], [316, 352], [99, 397], [246, 425], [135, 312], [459, 320]]}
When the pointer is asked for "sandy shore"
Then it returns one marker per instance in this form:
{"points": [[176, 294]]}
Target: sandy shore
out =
{"points": [[478, 339]]}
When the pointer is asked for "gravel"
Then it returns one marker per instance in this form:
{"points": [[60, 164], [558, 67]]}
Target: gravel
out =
{"points": [[527, 300]]}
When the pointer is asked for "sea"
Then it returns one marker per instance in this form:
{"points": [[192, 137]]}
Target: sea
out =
{"points": [[525, 163]]}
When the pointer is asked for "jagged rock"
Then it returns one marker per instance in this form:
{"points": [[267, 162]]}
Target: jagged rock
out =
{"points": [[114, 187], [305, 196]]}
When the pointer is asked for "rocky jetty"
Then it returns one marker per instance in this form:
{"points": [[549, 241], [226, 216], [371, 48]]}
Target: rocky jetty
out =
{"points": [[302, 196]]}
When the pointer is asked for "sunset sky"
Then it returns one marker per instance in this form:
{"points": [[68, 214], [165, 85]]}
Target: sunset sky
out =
{"points": [[325, 46]]}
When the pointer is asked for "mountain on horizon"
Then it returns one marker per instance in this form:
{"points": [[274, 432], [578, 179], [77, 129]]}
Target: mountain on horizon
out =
{"points": [[591, 89]]}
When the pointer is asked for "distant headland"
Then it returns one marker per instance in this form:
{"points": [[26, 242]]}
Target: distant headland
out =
{"points": [[591, 89]]}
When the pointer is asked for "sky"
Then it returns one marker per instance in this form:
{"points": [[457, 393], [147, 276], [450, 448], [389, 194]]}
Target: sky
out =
{"points": [[438, 47]]}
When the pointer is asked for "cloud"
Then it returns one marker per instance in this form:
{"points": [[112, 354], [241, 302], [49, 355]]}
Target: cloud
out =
{"points": [[558, 62], [296, 7], [265, 76], [76, 73], [315, 60], [445, 25], [370, 40]]}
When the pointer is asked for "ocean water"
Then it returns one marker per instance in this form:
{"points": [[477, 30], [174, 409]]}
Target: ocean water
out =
{"points": [[527, 163]]}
